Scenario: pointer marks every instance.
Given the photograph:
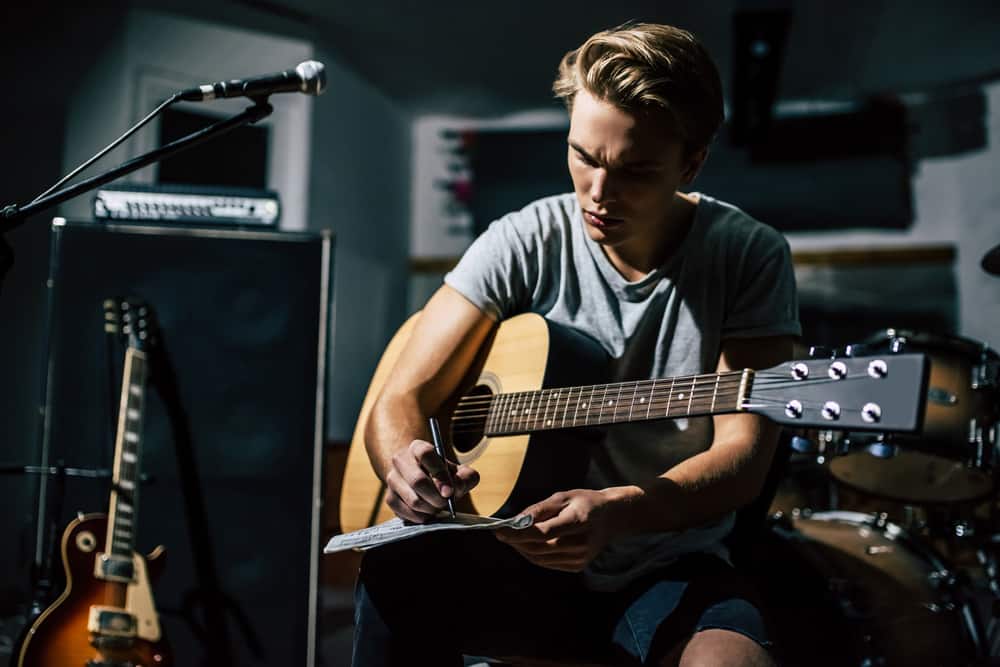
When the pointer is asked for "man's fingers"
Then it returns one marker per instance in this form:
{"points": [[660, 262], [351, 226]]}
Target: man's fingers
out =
{"points": [[466, 479], [408, 495], [415, 477], [402, 510]]}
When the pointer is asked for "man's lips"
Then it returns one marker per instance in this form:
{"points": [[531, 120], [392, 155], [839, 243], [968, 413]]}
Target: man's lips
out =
{"points": [[601, 220]]}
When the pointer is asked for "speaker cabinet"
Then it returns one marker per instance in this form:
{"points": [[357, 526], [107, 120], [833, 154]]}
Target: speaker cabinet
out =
{"points": [[235, 476]]}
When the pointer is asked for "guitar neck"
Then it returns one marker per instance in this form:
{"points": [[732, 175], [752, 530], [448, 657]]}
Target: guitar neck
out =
{"points": [[616, 403], [124, 503]]}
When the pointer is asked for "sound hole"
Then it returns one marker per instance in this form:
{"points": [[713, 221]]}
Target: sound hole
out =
{"points": [[469, 419]]}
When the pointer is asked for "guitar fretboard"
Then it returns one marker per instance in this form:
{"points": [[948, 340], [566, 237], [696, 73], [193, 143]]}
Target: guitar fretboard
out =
{"points": [[122, 517], [597, 405]]}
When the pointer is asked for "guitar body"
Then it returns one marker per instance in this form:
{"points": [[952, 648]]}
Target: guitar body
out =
{"points": [[525, 353], [60, 636]]}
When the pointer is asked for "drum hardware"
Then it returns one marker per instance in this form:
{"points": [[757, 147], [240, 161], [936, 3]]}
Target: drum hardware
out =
{"points": [[952, 460], [890, 599]]}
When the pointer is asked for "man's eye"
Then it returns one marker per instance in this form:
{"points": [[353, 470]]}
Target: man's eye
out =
{"points": [[586, 160]]}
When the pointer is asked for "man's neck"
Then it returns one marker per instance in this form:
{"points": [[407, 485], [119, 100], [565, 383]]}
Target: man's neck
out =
{"points": [[641, 256]]}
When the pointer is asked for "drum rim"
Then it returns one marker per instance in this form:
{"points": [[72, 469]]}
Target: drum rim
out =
{"points": [[931, 339], [892, 531]]}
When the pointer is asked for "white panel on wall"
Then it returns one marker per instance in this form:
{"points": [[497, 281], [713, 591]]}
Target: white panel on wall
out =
{"points": [[439, 228]]}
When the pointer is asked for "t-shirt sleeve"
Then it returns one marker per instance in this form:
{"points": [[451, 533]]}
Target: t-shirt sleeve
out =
{"points": [[499, 270], [764, 301]]}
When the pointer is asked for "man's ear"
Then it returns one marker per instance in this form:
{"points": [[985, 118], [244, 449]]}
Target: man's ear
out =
{"points": [[694, 165]]}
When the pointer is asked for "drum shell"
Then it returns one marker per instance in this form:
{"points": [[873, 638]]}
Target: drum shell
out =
{"points": [[842, 589]]}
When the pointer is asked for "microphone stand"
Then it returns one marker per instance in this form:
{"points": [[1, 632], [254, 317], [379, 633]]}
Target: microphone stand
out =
{"points": [[13, 216]]}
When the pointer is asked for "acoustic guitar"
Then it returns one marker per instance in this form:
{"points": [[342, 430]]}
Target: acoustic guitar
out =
{"points": [[531, 385], [106, 617]]}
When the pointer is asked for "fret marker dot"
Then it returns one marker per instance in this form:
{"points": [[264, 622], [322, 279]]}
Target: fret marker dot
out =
{"points": [[549, 422], [680, 396], [642, 400], [583, 405], [611, 402]]}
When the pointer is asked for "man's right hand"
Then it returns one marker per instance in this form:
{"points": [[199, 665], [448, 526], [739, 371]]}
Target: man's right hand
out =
{"points": [[417, 484]]}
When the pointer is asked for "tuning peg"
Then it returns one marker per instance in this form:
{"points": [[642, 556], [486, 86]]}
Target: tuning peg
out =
{"points": [[857, 350], [821, 352]]}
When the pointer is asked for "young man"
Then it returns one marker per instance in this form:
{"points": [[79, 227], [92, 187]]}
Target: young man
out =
{"points": [[630, 567]]}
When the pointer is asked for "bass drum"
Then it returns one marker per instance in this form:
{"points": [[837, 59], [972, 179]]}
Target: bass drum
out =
{"points": [[843, 588]]}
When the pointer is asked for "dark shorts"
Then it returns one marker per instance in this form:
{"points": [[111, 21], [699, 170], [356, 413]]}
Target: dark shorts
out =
{"points": [[432, 599]]}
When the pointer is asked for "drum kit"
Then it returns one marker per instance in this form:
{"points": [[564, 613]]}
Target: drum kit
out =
{"points": [[885, 550]]}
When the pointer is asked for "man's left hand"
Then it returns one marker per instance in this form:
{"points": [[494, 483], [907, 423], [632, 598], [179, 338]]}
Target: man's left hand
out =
{"points": [[569, 529]]}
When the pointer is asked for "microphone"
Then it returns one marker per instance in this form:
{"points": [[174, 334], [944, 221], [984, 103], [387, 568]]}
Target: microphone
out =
{"points": [[308, 77]]}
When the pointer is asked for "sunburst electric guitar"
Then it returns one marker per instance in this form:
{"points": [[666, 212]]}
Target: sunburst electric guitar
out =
{"points": [[531, 384], [106, 616]]}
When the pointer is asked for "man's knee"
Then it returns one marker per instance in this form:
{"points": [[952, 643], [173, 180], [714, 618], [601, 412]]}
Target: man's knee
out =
{"points": [[723, 648]]}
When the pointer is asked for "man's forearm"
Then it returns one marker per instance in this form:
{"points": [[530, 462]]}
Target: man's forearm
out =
{"points": [[394, 422], [697, 491]]}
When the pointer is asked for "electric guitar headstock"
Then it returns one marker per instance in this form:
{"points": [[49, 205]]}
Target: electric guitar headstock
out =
{"points": [[132, 320]]}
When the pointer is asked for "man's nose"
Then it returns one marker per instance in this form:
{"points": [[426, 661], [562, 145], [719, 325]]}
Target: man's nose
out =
{"points": [[600, 189]]}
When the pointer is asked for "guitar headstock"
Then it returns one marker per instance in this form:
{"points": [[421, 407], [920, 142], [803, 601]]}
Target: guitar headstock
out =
{"points": [[132, 320], [884, 392]]}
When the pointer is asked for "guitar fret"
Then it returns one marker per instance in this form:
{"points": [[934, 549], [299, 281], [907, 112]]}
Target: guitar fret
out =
{"points": [[525, 410], [670, 397], [600, 415], [498, 413], [631, 404], [545, 413], [649, 404], [530, 420], [715, 392], [617, 402], [515, 403], [569, 400], [694, 381]]}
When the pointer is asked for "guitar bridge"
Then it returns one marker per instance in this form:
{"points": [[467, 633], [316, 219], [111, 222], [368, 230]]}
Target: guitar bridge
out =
{"points": [[111, 622], [110, 567]]}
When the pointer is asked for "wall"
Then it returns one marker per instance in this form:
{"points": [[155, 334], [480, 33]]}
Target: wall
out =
{"points": [[956, 201], [360, 180]]}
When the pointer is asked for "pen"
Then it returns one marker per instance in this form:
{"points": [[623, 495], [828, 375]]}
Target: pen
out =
{"points": [[439, 448]]}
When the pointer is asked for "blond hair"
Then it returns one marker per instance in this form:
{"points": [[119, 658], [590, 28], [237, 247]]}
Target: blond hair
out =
{"points": [[643, 67]]}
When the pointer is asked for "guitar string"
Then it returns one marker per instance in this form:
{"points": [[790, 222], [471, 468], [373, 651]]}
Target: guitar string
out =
{"points": [[485, 401], [556, 405], [668, 383], [620, 415], [706, 384]]}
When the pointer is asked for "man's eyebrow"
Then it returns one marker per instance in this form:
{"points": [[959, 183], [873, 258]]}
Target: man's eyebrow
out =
{"points": [[636, 164]]}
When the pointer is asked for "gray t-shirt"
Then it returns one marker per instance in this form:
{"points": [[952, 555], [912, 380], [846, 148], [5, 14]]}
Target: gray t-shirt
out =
{"points": [[731, 277]]}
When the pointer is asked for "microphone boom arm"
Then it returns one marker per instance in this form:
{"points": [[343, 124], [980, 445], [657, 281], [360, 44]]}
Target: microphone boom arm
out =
{"points": [[13, 216]]}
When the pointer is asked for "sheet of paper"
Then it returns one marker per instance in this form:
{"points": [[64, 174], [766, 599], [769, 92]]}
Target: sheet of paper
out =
{"points": [[395, 530]]}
